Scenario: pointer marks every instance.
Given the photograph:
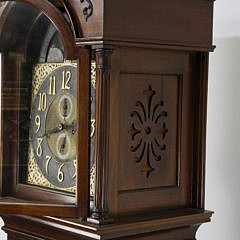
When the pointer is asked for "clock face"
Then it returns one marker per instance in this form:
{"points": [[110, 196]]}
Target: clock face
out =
{"points": [[53, 127]]}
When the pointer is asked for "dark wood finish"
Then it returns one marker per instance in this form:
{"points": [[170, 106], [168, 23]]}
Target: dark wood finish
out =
{"points": [[12, 206], [179, 30], [32, 193], [83, 196], [151, 101], [109, 20], [103, 68], [169, 185], [177, 225], [93, 27], [200, 129], [152, 29]]}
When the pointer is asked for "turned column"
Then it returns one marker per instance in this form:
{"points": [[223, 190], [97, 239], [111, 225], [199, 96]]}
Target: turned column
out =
{"points": [[100, 213]]}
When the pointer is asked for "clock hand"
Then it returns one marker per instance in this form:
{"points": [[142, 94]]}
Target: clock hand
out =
{"points": [[72, 126], [57, 129], [63, 145], [60, 128], [65, 108]]}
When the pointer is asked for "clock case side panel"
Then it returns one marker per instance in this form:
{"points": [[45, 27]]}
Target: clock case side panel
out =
{"points": [[187, 73], [29, 200]]}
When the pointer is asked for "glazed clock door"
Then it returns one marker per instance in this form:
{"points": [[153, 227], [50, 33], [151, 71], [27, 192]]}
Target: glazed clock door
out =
{"points": [[45, 108]]}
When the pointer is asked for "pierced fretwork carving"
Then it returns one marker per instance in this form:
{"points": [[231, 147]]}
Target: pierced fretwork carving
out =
{"points": [[88, 9], [148, 130]]}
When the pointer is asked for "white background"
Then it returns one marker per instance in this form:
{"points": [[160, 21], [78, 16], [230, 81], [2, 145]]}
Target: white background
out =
{"points": [[223, 132]]}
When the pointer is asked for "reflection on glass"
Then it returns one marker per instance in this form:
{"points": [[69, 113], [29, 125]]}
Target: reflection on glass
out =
{"points": [[39, 100]]}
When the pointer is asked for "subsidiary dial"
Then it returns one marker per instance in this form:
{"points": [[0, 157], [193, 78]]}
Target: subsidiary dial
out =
{"points": [[65, 107], [63, 146], [61, 127]]}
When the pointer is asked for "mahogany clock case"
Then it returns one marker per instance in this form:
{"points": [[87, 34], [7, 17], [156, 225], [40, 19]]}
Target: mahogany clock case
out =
{"points": [[151, 61]]}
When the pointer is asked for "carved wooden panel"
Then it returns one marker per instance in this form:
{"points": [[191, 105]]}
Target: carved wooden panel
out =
{"points": [[88, 8], [149, 131]]}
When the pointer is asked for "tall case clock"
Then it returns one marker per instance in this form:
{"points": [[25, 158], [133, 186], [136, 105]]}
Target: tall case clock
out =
{"points": [[103, 118]]}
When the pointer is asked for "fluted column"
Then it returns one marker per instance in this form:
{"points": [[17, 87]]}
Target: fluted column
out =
{"points": [[100, 213]]}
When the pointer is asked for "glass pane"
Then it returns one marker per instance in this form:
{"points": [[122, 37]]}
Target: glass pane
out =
{"points": [[52, 132], [39, 101]]}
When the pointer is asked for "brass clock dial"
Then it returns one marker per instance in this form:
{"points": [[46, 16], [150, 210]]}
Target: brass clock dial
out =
{"points": [[53, 130]]}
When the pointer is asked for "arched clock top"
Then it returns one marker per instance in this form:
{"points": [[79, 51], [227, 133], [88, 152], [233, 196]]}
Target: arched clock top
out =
{"points": [[60, 17]]}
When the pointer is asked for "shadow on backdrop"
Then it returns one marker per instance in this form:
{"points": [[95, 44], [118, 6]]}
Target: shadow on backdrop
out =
{"points": [[223, 142]]}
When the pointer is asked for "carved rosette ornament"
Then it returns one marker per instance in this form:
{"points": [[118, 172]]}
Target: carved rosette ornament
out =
{"points": [[148, 131], [88, 8]]}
